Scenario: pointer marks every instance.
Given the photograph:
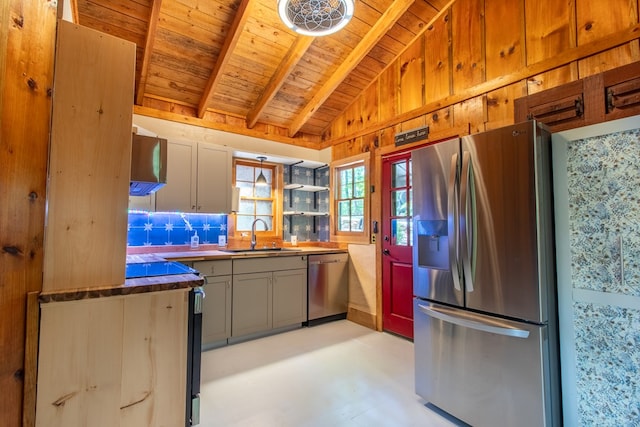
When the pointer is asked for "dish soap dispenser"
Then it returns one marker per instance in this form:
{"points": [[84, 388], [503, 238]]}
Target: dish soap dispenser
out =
{"points": [[195, 240]]}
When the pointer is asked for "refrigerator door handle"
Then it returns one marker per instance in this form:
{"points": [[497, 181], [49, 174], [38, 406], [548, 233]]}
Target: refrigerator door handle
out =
{"points": [[452, 223], [465, 231], [494, 327]]}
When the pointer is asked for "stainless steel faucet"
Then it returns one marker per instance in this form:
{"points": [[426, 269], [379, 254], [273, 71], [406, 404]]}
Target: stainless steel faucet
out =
{"points": [[253, 231]]}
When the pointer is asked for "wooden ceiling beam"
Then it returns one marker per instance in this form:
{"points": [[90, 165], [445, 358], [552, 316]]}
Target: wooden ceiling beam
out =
{"points": [[148, 47], [230, 42], [295, 54], [379, 29]]}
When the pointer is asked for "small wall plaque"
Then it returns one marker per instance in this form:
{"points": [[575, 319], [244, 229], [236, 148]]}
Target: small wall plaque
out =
{"points": [[412, 135]]}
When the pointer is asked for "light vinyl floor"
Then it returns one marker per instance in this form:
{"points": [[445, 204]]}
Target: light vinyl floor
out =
{"points": [[335, 374]]}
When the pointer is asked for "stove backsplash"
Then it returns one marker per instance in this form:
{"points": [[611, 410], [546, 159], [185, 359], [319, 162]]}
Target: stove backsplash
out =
{"points": [[168, 228]]}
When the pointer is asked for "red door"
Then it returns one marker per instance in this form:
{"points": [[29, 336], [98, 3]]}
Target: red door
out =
{"points": [[397, 237]]}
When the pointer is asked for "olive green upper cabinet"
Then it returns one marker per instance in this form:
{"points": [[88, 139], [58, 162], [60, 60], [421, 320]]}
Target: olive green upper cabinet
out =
{"points": [[198, 179]]}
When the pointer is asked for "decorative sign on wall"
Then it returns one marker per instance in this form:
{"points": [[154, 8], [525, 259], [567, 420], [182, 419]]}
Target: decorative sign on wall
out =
{"points": [[412, 135]]}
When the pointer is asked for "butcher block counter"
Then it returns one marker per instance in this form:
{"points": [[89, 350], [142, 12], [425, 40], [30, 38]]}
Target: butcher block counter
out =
{"points": [[130, 286], [239, 253]]}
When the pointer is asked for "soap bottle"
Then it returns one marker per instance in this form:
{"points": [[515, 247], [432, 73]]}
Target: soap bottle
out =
{"points": [[195, 240]]}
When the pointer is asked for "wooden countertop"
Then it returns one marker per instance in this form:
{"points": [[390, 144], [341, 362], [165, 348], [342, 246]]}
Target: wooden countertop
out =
{"points": [[130, 287], [208, 255], [181, 281]]}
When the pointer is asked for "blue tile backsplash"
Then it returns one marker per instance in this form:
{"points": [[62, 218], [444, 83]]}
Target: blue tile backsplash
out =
{"points": [[168, 228]]}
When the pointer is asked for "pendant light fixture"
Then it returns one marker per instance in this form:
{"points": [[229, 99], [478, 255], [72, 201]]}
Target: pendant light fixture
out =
{"points": [[261, 180], [315, 17]]}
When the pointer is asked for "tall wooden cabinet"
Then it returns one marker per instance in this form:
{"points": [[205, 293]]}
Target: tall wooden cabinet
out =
{"points": [[89, 161], [198, 178]]}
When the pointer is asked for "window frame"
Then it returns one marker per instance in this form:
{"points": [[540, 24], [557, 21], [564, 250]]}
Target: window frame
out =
{"points": [[276, 198], [337, 166]]}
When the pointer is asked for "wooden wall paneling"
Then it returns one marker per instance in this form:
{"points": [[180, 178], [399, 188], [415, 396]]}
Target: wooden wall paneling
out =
{"points": [[467, 29], [154, 359], [500, 104], [353, 116], [411, 65], [387, 137], [347, 148], [595, 20], [90, 158], [338, 126], [80, 363], [388, 90], [27, 46], [547, 37], [437, 60], [439, 120], [414, 123], [505, 37], [369, 101], [472, 112]]}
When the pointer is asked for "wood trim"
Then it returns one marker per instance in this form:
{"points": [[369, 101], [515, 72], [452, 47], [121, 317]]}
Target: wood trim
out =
{"points": [[148, 47], [294, 55], [31, 360], [362, 318], [230, 42]]}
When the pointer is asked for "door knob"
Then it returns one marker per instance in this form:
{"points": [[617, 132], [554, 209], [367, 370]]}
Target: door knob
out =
{"points": [[385, 252]]}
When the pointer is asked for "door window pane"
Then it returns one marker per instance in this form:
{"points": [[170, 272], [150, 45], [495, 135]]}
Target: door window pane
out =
{"points": [[401, 232], [399, 174], [399, 203]]}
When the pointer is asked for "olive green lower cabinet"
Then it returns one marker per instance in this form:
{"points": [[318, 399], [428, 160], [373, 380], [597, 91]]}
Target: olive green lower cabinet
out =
{"points": [[216, 306], [269, 296], [113, 361]]}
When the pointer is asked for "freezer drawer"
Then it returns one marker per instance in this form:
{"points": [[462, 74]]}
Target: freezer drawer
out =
{"points": [[483, 370]]}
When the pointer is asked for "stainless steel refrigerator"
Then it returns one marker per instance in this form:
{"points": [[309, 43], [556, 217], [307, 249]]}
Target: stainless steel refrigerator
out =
{"points": [[485, 328]]}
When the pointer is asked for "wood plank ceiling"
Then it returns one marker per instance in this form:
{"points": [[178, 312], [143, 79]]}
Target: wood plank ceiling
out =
{"points": [[235, 62]]}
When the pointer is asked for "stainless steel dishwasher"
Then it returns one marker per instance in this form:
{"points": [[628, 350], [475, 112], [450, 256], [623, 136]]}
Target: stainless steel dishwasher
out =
{"points": [[328, 291]]}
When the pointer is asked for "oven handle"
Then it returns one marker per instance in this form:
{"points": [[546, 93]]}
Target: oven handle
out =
{"points": [[495, 327]]}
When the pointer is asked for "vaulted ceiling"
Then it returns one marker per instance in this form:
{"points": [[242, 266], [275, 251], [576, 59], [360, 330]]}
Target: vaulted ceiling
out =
{"points": [[233, 63]]}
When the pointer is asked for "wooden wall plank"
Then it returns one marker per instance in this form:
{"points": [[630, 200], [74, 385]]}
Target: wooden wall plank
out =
{"points": [[411, 63], [596, 19], [389, 86], [437, 62], [505, 35], [27, 44], [500, 104], [467, 29], [546, 38], [472, 113]]}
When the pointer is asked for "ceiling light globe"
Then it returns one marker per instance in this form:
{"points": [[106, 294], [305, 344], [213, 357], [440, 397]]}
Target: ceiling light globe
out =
{"points": [[315, 17]]}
